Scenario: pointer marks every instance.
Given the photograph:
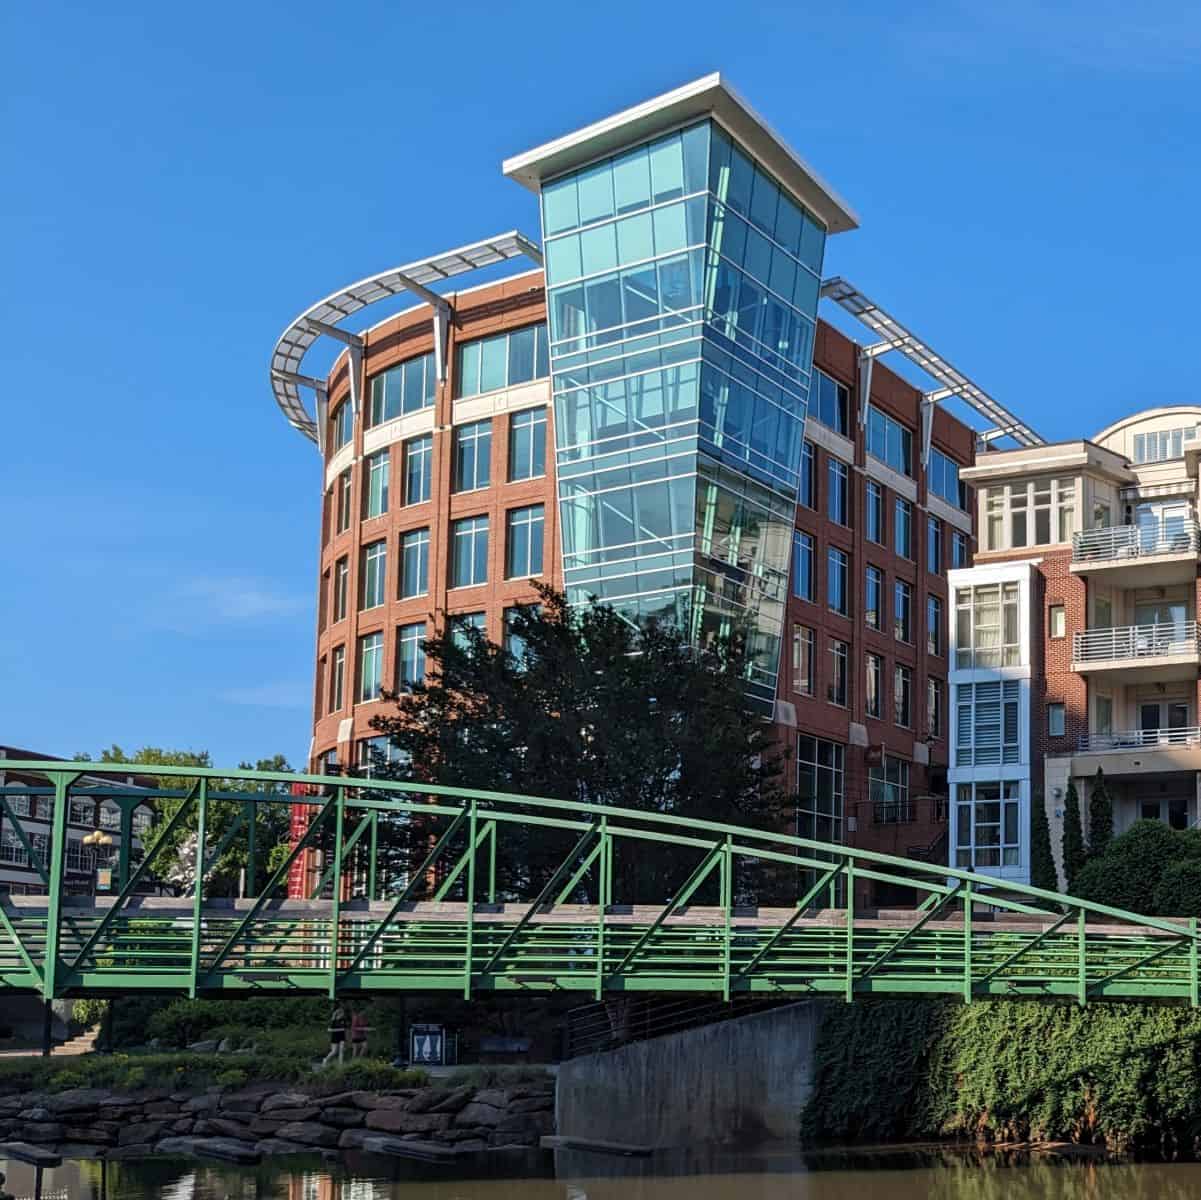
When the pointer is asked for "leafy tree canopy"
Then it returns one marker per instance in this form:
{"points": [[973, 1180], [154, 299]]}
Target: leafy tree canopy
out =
{"points": [[1149, 869]]}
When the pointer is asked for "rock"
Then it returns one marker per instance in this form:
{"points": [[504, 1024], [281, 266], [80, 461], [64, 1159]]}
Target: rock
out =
{"points": [[285, 1100], [203, 1103], [225, 1148], [209, 1046], [369, 1101], [526, 1127], [494, 1096], [265, 1127], [133, 1150], [471, 1146], [42, 1131], [78, 1100], [89, 1133], [527, 1091], [352, 1139], [226, 1046], [295, 1114], [141, 1131], [390, 1121], [276, 1146], [222, 1127], [162, 1108], [243, 1102], [407, 1148], [183, 1125], [80, 1150], [449, 1099], [476, 1113], [532, 1104], [34, 1114], [343, 1118], [309, 1133]]}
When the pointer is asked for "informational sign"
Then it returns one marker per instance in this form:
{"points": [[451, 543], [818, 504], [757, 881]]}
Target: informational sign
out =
{"points": [[427, 1045], [104, 879]]}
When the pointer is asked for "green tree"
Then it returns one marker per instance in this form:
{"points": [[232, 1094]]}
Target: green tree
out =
{"points": [[271, 820], [595, 709], [1100, 815], [1073, 836], [1144, 870], [1042, 860]]}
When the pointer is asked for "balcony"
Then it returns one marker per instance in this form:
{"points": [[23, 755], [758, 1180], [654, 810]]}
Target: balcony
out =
{"points": [[1139, 751], [1140, 739], [1155, 653], [1152, 554]]}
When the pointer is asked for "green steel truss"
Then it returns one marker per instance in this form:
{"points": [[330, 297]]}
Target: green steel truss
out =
{"points": [[449, 927]]}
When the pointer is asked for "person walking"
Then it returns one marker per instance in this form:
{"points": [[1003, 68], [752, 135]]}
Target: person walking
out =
{"points": [[358, 1033], [337, 1035]]}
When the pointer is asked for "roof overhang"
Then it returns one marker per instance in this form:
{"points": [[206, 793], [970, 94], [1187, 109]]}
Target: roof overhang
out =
{"points": [[323, 318], [1055, 458], [710, 96]]}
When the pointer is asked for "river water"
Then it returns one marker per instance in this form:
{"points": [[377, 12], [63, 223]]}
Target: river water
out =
{"points": [[766, 1173]]}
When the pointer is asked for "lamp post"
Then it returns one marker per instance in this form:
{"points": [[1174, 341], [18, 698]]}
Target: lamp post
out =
{"points": [[100, 843]]}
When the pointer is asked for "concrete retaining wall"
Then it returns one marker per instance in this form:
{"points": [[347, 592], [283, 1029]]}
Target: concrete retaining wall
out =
{"points": [[745, 1079]]}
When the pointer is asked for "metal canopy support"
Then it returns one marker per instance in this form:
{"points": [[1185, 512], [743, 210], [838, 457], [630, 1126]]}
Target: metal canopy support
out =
{"points": [[441, 309], [865, 385], [896, 336]]}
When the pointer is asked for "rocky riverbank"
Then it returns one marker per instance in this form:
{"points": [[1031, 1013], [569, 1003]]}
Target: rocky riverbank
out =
{"points": [[244, 1125]]}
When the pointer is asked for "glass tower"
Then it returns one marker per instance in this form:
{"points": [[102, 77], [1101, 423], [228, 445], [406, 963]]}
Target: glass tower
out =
{"points": [[682, 289]]}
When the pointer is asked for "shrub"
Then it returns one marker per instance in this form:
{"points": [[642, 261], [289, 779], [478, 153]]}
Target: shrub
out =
{"points": [[1100, 816], [235, 1077], [1178, 893], [1073, 836], [1042, 862], [184, 1021], [1129, 872]]}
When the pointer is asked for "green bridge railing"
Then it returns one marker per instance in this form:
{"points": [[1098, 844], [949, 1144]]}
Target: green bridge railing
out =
{"points": [[734, 909]]}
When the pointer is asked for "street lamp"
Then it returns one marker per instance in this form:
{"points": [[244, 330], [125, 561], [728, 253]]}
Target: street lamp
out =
{"points": [[101, 843]]}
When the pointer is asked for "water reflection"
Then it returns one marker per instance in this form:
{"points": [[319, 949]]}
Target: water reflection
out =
{"points": [[766, 1173]]}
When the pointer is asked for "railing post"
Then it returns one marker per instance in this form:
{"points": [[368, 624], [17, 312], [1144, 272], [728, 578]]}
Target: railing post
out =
{"points": [[58, 849], [372, 874], [198, 886], [727, 904], [1082, 964], [967, 942], [604, 893], [125, 846], [472, 852], [336, 901], [251, 814], [850, 982], [1194, 984], [492, 863]]}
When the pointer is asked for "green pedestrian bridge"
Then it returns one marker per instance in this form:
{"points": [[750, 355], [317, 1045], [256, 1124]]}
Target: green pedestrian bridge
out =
{"points": [[737, 910]]}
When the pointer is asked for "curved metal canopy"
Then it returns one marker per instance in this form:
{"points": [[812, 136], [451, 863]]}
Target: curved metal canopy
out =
{"points": [[324, 316]]}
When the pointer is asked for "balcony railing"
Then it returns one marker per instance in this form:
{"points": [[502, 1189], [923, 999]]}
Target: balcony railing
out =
{"points": [[1165, 638], [1142, 739], [1173, 535]]}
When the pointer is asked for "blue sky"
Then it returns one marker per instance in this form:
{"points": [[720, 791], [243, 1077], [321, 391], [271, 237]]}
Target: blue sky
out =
{"points": [[180, 181]]}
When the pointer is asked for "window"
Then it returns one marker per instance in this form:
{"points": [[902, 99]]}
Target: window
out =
{"points": [[902, 696], [836, 691], [515, 644], [802, 565], [802, 660], [876, 532], [374, 571], [889, 441], [934, 701], [1161, 445], [524, 556], [875, 685], [888, 790], [986, 626], [933, 545], [1056, 621], [341, 587], [958, 549], [343, 424], [110, 817], [808, 495], [873, 598], [987, 729], [22, 806], [337, 678], [461, 626], [344, 501], [82, 811], [419, 457], [323, 603], [837, 589], [902, 611], [830, 403], [903, 528], [1036, 512], [410, 656], [933, 625], [371, 666], [375, 497], [987, 825], [472, 456], [414, 563], [77, 858], [821, 774], [527, 444], [942, 477], [836, 499], [1056, 720], [504, 360], [469, 552], [376, 756], [405, 388]]}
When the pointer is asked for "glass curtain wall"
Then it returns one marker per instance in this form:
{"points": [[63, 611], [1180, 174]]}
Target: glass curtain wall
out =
{"points": [[682, 295]]}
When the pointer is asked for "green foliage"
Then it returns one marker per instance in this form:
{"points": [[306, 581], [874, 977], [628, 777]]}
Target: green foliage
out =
{"points": [[185, 1021], [1073, 837], [1100, 816], [1128, 875], [1042, 861], [86, 1013], [366, 1075], [1126, 1076], [595, 710], [234, 1077], [1178, 893]]}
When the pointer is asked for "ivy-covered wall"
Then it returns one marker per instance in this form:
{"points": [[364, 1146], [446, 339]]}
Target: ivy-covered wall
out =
{"points": [[1124, 1076]]}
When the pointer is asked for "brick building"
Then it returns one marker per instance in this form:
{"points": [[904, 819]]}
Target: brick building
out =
{"points": [[676, 430]]}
